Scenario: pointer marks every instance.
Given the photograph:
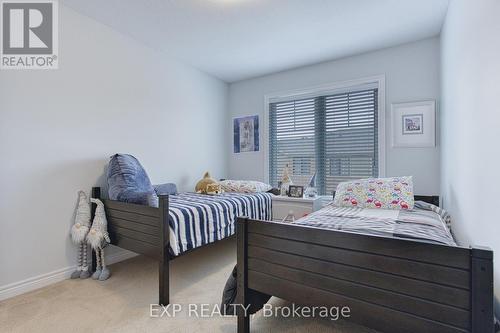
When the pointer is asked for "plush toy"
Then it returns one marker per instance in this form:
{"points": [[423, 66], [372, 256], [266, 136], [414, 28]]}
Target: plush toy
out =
{"points": [[201, 186], [98, 238], [79, 232], [214, 188]]}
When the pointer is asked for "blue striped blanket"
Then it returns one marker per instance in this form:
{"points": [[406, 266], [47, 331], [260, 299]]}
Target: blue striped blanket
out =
{"points": [[198, 219]]}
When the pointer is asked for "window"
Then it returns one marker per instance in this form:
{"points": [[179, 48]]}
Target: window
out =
{"points": [[334, 135], [302, 166]]}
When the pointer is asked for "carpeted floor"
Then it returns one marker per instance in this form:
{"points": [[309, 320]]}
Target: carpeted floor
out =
{"points": [[122, 304]]}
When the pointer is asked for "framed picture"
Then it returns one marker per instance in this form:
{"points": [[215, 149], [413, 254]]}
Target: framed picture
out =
{"points": [[414, 124], [295, 191], [246, 134]]}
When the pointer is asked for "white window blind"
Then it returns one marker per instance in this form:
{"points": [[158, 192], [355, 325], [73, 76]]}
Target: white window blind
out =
{"points": [[335, 135]]}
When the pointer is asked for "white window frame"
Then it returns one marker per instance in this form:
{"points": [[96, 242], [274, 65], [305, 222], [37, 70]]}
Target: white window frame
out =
{"points": [[328, 89]]}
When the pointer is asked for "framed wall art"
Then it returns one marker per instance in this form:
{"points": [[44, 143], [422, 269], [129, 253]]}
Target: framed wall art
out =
{"points": [[246, 134], [414, 124]]}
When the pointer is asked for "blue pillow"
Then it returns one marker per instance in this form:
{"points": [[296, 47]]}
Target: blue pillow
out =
{"points": [[129, 182], [166, 189]]}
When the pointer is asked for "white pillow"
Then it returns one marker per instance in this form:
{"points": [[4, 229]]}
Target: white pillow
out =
{"points": [[244, 186]]}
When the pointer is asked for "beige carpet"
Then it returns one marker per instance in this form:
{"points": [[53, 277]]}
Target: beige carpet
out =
{"points": [[122, 304]]}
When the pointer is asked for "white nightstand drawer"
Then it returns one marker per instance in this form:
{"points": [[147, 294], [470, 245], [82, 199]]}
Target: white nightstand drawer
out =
{"points": [[282, 209], [298, 207]]}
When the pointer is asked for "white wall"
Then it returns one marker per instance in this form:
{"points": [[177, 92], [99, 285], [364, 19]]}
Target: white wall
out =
{"points": [[412, 74], [58, 128], [470, 117]]}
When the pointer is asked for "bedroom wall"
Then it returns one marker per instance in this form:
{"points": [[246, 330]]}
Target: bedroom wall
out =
{"points": [[58, 128], [412, 74], [470, 115]]}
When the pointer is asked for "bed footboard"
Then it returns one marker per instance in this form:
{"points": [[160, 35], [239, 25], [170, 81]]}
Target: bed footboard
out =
{"points": [[391, 285], [143, 230]]}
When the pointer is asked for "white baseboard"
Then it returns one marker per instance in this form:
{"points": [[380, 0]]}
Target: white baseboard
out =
{"points": [[36, 282], [43, 280]]}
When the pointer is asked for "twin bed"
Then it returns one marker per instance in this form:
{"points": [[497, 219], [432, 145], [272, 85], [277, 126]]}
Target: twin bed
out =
{"points": [[395, 273], [399, 273], [180, 224]]}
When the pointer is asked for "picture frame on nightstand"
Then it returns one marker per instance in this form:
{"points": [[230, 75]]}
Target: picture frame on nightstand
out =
{"points": [[295, 191]]}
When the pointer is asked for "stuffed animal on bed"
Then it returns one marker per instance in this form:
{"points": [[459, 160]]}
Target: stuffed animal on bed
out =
{"points": [[214, 188], [79, 232], [98, 238], [202, 185]]}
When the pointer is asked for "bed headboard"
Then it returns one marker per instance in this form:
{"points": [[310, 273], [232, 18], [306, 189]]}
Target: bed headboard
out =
{"points": [[432, 199]]}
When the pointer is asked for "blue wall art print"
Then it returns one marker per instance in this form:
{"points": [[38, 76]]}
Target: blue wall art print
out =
{"points": [[246, 134]]}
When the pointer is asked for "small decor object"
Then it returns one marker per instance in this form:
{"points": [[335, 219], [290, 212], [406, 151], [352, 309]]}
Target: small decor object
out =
{"points": [[214, 188], [98, 238], [79, 232], [295, 191], [290, 217], [201, 186], [246, 134], [286, 181], [311, 191], [413, 124]]}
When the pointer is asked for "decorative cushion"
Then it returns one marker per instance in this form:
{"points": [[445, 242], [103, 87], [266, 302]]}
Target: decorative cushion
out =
{"points": [[386, 193], [165, 189], [244, 186], [129, 182]]}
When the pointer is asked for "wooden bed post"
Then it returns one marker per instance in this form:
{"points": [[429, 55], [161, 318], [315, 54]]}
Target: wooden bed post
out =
{"points": [[482, 290], [164, 278], [242, 278], [96, 194]]}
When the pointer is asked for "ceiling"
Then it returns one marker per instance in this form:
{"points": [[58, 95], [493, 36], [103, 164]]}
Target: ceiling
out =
{"points": [[239, 39]]}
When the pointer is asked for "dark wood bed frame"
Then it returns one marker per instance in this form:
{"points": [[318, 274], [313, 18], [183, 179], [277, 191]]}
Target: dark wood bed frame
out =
{"points": [[391, 285], [143, 230]]}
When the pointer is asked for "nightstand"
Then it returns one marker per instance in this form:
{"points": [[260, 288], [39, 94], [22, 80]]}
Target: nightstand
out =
{"points": [[293, 208]]}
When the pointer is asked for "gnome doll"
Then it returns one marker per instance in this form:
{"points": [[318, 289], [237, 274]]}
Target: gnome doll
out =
{"points": [[98, 238], [311, 190], [79, 232]]}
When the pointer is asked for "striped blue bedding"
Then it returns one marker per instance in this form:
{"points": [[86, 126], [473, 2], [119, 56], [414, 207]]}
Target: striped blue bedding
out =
{"points": [[198, 219], [426, 222]]}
